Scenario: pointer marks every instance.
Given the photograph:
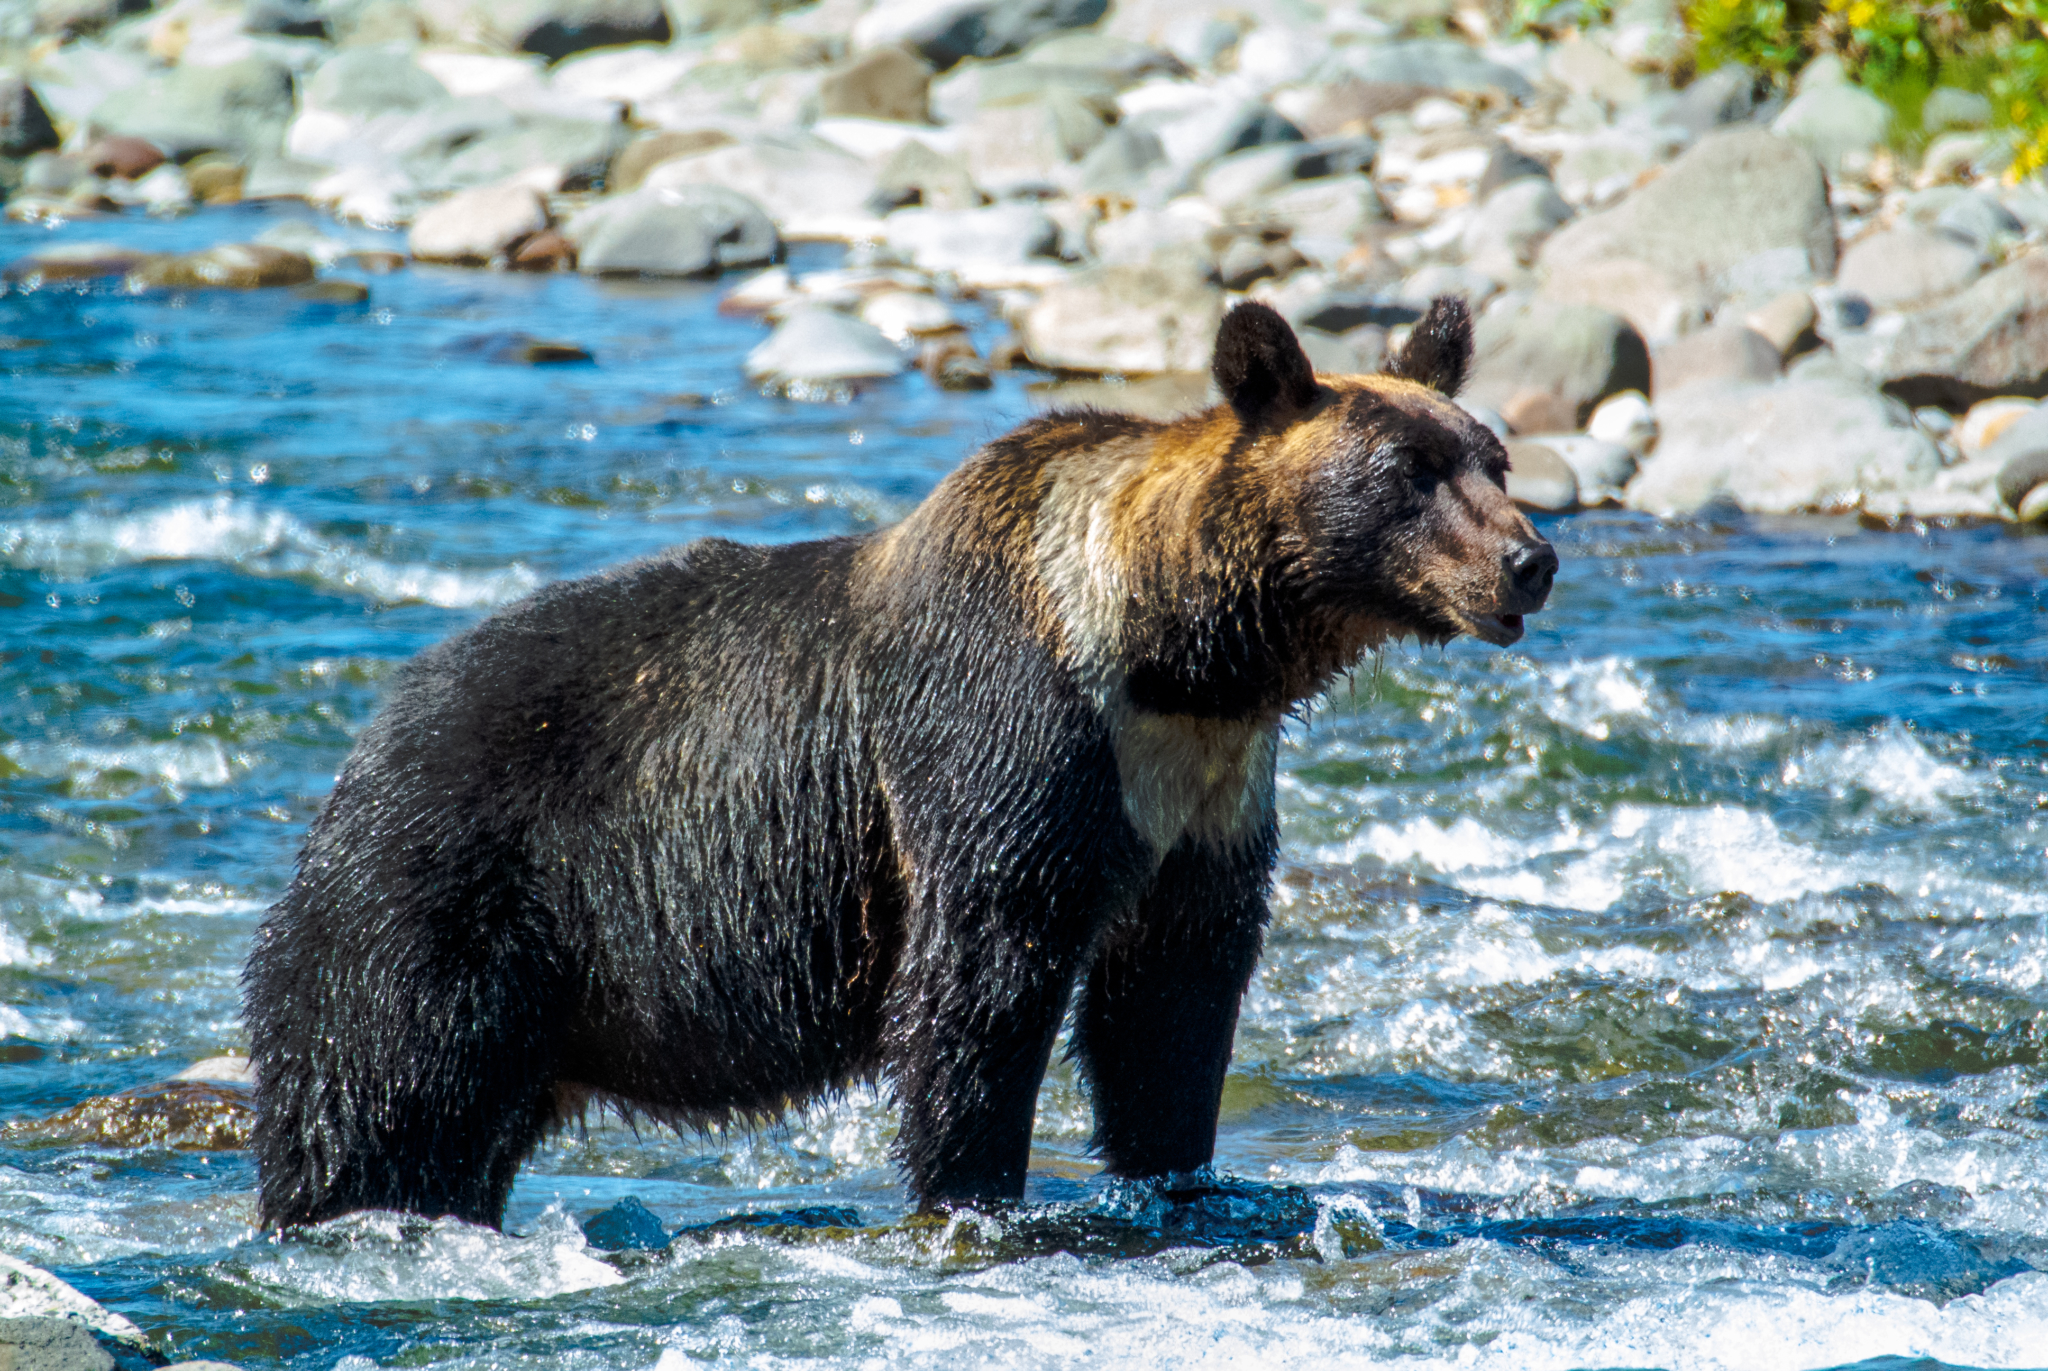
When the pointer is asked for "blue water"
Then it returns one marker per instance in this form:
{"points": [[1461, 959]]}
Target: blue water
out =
{"points": [[1671, 991]]}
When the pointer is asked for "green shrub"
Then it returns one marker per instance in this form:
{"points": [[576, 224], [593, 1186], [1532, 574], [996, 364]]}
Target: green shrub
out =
{"points": [[1899, 52]]}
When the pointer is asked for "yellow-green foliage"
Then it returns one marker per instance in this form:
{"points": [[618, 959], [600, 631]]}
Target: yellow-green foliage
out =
{"points": [[1899, 52]]}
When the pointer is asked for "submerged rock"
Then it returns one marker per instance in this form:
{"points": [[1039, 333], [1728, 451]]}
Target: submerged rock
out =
{"points": [[199, 1116], [231, 266]]}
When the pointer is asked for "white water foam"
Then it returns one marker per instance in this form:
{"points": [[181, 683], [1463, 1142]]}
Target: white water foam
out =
{"points": [[369, 1257], [177, 766], [260, 543]]}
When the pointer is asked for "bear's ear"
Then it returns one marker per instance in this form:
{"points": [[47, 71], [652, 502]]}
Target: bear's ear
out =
{"points": [[1440, 349], [1260, 366]]}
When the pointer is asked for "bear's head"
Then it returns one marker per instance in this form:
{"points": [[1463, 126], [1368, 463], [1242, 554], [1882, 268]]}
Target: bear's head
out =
{"points": [[1393, 518], [1321, 516]]}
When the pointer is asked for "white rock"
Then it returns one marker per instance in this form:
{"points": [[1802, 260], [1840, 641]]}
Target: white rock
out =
{"points": [[1626, 419], [1127, 320], [1602, 467], [226, 1070], [28, 1292], [977, 245], [901, 314], [822, 348], [477, 225], [1791, 446], [809, 188], [1986, 420]]}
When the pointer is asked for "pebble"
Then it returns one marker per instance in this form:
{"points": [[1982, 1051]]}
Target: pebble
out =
{"points": [[1625, 419]]}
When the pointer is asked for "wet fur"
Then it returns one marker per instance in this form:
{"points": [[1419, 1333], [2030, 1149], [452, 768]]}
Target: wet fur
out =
{"points": [[720, 831]]}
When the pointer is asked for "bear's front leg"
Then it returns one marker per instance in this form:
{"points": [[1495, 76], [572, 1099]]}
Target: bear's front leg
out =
{"points": [[1159, 1011]]}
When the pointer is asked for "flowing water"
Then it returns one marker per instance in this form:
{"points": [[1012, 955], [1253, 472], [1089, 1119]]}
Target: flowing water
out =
{"points": [[1671, 991]]}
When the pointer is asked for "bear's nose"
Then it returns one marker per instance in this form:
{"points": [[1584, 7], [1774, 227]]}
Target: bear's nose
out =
{"points": [[1532, 568]]}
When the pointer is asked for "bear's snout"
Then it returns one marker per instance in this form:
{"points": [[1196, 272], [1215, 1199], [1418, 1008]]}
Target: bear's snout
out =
{"points": [[1531, 569]]}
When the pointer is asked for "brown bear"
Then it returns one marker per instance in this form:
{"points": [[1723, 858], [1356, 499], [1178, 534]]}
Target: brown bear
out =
{"points": [[720, 831]]}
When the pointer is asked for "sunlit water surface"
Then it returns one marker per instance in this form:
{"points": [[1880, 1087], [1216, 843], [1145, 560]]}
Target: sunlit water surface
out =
{"points": [[1671, 991]]}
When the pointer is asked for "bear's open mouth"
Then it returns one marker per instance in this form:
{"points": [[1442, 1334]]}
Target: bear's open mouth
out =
{"points": [[1498, 629]]}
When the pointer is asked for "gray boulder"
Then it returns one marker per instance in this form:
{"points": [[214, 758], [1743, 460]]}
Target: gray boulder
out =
{"points": [[944, 32], [1324, 218], [2021, 455], [1672, 250], [240, 107], [25, 125], [580, 148], [820, 348], [886, 83], [975, 244], [1782, 447], [1725, 352], [556, 28], [370, 81], [46, 1344], [1539, 477], [31, 1293], [1126, 319], [1967, 216], [1544, 365], [679, 231], [71, 18], [1434, 64], [807, 186], [1837, 123], [1992, 339], [1907, 265], [1512, 224]]}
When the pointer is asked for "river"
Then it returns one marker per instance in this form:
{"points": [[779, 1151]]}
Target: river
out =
{"points": [[1669, 991]]}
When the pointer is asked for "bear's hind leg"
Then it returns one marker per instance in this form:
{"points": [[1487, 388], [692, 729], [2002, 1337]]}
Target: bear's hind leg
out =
{"points": [[411, 1068], [1158, 1013]]}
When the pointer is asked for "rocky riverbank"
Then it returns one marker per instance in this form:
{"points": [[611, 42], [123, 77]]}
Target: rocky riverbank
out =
{"points": [[1691, 289]]}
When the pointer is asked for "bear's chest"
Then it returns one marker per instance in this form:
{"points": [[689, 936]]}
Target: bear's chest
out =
{"points": [[1210, 780]]}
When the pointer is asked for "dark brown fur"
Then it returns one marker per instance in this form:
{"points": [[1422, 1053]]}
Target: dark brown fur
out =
{"points": [[719, 831]]}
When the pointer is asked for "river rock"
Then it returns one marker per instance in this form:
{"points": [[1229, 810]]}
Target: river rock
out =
{"points": [[1837, 123], [229, 266], [25, 125], [556, 28], [1126, 319], [807, 186], [1601, 467], [1540, 479], [45, 1344], [945, 31], [902, 314], [573, 152], [2021, 454], [1790, 446], [1625, 419], [284, 18], [1985, 422], [1024, 149], [689, 230], [980, 246], [196, 1116], [1544, 365], [886, 83], [1967, 216], [1725, 352], [477, 226], [1906, 265], [630, 167], [239, 107], [1325, 217], [1672, 250], [361, 82], [1786, 319], [29, 1292], [1992, 339], [817, 347], [1438, 64], [1512, 224], [920, 175], [127, 158]]}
